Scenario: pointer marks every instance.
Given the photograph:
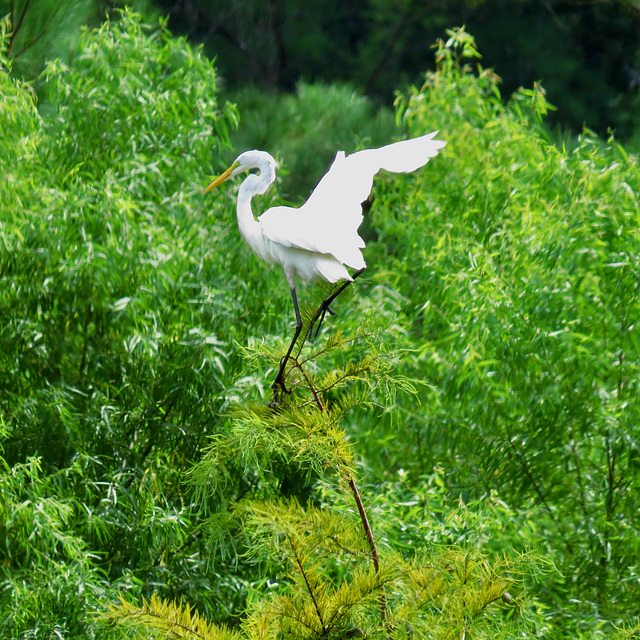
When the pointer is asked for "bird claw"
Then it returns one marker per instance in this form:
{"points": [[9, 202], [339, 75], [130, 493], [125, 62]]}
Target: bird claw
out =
{"points": [[279, 381], [319, 319]]}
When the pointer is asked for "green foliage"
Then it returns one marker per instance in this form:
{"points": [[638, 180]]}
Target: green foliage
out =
{"points": [[165, 110], [481, 391], [306, 129], [518, 273], [48, 577], [113, 363], [168, 620], [332, 579], [103, 200]]}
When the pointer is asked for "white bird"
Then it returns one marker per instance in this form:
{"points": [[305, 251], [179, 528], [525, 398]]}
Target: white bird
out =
{"points": [[319, 239]]}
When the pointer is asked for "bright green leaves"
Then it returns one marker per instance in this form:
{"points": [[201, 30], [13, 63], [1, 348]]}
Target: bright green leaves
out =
{"points": [[49, 578], [106, 207], [143, 107], [20, 135], [518, 263], [168, 620], [117, 324], [337, 571]]}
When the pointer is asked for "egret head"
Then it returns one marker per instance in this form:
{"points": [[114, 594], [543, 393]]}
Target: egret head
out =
{"points": [[246, 161]]}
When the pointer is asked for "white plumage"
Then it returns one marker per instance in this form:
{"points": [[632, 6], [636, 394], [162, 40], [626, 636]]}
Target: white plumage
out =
{"points": [[319, 240]]}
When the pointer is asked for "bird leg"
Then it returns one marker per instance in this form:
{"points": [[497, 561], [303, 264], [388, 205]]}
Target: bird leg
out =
{"points": [[279, 381], [324, 306]]}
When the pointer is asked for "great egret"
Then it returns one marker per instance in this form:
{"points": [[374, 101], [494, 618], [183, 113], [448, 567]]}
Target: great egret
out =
{"points": [[319, 239]]}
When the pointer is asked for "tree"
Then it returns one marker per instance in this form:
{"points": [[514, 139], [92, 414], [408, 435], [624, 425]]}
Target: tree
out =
{"points": [[334, 578]]}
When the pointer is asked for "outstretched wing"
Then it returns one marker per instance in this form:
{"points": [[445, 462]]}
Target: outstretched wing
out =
{"points": [[328, 221]]}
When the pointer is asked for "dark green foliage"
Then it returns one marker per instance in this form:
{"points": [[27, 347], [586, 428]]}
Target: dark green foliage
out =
{"points": [[584, 53]]}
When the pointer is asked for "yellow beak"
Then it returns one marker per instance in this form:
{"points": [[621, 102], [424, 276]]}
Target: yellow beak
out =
{"points": [[220, 179]]}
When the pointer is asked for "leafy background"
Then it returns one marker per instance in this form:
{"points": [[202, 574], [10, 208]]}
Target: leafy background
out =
{"points": [[505, 275]]}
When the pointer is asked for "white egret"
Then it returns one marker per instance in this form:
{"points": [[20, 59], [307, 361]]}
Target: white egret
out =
{"points": [[319, 240]]}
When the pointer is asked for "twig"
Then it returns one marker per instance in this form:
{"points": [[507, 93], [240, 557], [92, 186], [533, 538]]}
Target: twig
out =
{"points": [[357, 554], [46, 28], [372, 543], [365, 524], [361, 510], [306, 580], [316, 397], [15, 28]]}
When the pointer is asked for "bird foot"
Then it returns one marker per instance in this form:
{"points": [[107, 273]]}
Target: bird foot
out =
{"points": [[322, 311], [278, 383]]}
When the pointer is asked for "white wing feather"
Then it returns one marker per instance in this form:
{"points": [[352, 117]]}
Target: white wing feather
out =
{"points": [[328, 221]]}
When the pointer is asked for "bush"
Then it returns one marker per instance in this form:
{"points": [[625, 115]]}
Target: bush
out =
{"points": [[115, 347], [516, 266]]}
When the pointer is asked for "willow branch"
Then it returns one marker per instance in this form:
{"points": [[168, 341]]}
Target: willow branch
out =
{"points": [[365, 524], [372, 543]]}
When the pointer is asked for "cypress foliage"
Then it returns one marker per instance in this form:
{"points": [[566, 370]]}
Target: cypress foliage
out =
{"points": [[330, 575]]}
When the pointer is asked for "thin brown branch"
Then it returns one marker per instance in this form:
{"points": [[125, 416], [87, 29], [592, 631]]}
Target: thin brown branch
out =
{"points": [[306, 580], [351, 552], [372, 543], [365, 524], [316, 397], [360, 506], [15, 28], [284, 614]]}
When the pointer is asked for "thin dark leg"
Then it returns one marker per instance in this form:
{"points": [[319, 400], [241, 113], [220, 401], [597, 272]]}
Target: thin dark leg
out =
{"points": [[324, 307], [279, 381]]}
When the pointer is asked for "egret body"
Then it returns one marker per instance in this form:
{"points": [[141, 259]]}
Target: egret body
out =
{"points": [[319, 240]]}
